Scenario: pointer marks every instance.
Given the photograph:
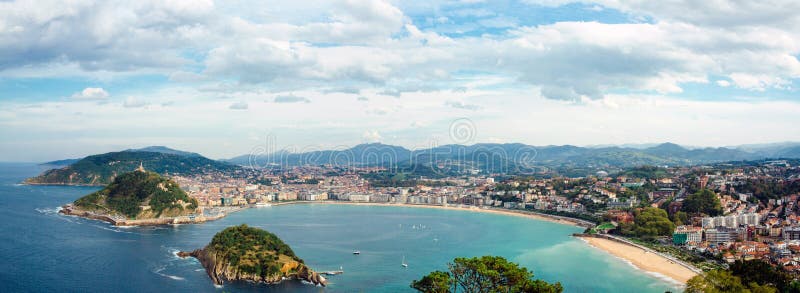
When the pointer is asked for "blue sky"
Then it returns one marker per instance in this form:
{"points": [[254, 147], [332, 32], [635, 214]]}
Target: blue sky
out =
{"points": [[219, 78]]}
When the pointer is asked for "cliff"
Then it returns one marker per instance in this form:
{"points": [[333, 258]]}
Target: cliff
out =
{"points": [[138, 195], [243, 253]]}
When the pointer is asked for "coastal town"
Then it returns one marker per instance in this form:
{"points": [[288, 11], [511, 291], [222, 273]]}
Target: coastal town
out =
{"points": [[712, 215]]}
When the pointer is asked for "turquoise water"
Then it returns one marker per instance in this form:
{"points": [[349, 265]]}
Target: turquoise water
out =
{"points": [[44, 251]]}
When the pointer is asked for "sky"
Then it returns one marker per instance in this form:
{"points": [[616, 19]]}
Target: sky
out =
{"points": [[234, 77]]}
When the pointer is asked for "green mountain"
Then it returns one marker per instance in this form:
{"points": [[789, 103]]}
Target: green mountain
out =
{"points": [[103, 168], [164, 150], [516, 158], [243, 253], [139, 195]]}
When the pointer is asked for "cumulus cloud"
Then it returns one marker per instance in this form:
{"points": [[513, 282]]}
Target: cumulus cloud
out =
{"points": [[132, 102], [461, 105], [91, 93], [238, 106], [371, 136], [352, 44], [100, 35], [378, 111], [291, 99]]}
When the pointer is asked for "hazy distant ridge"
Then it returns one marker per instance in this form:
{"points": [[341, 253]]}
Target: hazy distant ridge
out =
{"points": [[514, 153]]}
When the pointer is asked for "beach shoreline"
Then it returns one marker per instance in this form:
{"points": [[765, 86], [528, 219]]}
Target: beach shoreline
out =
{"points": [[642, 258]]}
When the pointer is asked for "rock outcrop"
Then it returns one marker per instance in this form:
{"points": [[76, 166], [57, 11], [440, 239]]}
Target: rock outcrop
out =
{"points": [[233, 263]]}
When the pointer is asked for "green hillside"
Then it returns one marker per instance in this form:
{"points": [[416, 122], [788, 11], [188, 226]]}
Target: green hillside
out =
{"points": [[242, 253], [103, 168], [139, 195]]}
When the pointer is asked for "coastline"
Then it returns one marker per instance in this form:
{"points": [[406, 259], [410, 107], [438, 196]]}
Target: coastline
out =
{"points": [[508, 212], [642, 258], [71, 210]]}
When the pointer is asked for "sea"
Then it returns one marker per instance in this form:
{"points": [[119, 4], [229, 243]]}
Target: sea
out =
{"points": [[43, 251]]}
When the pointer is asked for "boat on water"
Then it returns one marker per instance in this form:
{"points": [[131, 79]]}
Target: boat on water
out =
{"points": [[403, 263], [356, 252]]}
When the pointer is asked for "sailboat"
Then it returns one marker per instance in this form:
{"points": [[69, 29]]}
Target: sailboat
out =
{"points": [[404, 264]]}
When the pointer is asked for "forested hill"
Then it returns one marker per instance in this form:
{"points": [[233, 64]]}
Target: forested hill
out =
{"points": [[103, 168], [132, 191]]}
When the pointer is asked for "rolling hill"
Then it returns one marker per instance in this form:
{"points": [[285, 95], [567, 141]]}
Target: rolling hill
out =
{"points": [[103, 168], [516, 157]]}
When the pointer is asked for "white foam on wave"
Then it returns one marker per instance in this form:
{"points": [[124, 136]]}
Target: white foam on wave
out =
{"points": [[665, 278], [48, 211], [115, 229], [159, 271]]}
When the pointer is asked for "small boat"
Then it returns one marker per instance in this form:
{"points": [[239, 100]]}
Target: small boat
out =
{"points": [[356, 252], [404, 264]]}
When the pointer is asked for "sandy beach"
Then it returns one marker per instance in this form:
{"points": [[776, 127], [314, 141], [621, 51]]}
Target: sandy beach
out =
{"points": [[642, 259]]}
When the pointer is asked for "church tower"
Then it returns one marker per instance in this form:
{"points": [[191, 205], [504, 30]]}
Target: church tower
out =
{"points": [[141, 168]]}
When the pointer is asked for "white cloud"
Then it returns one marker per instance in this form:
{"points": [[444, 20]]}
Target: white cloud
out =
{"points": [[372, 43], [334, 52], [461, 105], [291, 99], [132, 102], [238, 106], [371, 136], [91, 93]]}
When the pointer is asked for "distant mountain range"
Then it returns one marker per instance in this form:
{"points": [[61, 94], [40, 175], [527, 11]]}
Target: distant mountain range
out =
{"points": [[512, 157], [103, 168]]}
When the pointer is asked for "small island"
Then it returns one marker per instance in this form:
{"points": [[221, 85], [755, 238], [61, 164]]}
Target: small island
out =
{"points": [[242, 253], [138, 198]]}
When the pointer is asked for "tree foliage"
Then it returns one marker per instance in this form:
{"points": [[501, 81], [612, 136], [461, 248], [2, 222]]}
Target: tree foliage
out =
{"points": [[649, 222], [483, 274], [252, 250], [102, 168], [130, 191], [703, 201], [719, 281], [760, 272]]}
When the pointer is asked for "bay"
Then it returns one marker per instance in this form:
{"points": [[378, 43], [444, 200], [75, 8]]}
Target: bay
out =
{"points": [[43, 251]]}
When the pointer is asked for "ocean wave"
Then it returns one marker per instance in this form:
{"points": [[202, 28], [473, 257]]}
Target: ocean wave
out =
{"points": [[664, 278], [49, 211], [159, 271], [115, 229]]}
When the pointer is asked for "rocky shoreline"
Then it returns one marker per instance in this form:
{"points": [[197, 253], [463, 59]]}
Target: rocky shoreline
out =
{"points": [[222, 272], [71, 210]]}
